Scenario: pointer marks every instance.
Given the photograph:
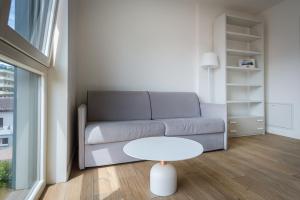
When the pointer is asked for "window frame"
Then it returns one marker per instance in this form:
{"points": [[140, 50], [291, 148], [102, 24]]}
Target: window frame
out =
{"points": [[17, 51], [16, 58], [10, 36]]}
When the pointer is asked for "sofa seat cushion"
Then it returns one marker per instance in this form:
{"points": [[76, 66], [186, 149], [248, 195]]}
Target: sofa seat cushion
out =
{"points": [[106, 132], [193, 126]]}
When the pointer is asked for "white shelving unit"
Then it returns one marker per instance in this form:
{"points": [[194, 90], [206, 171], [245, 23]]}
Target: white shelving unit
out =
{"points": [[242, 89]]}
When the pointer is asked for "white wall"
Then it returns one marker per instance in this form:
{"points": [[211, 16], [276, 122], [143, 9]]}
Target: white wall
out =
{"points": [[143, 45], [283, 60], [61, 101]]}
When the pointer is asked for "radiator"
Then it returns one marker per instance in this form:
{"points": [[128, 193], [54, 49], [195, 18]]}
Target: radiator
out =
{"points": [[280, 115]]}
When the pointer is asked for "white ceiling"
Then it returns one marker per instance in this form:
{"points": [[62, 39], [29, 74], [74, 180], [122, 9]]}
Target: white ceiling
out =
{"points": [[248, 6]]}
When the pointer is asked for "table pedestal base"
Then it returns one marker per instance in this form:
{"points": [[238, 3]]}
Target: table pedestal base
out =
{"points": [[163, 179]]}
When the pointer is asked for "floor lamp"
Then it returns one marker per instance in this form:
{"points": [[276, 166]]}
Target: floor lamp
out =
{"points": [[209, 61]]}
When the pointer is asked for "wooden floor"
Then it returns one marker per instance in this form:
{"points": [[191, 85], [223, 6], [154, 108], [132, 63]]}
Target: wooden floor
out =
{"points": [[256, 168]]}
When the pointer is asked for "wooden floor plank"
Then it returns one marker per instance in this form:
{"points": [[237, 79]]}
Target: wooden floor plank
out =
{"points": [[265, 167]]}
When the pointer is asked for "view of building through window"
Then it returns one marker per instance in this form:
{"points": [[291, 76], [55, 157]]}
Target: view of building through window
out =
{"points": [[6, 128], [19, 120]]}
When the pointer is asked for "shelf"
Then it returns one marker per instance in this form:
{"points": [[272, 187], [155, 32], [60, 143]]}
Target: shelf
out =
{"points": [[241, 21], [243, 116], [243, 101], [242, 36], [243, 68], [243, 52], [243, 85]]}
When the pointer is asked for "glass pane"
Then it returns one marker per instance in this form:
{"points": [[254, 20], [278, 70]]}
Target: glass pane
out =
{"points": [[31, 20], [19, 110]]}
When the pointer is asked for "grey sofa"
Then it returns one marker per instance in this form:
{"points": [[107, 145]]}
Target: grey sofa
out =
{"points": [[112, 118]]}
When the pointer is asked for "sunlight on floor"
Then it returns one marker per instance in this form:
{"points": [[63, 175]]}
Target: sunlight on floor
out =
{"points": [[108, 182]]}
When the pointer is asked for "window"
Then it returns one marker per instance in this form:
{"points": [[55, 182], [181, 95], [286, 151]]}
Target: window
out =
{"points": [[1, 122], [20, 146], [30, 19], [26, 29], [28, 25], [4, 141]]}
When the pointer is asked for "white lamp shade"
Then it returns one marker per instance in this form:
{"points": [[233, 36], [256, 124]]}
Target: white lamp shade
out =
{"points": [[209, 60]]}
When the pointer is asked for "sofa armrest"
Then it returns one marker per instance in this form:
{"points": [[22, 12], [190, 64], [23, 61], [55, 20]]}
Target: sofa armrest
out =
{"points": [[82, 118], [216, 111]]}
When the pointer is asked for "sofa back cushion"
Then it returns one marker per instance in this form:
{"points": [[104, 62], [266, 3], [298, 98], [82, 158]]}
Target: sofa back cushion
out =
{"points": [[174, 105], [118, 106]]}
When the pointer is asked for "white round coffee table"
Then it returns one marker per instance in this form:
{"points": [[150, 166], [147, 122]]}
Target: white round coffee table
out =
{"points": [[163, 177]]}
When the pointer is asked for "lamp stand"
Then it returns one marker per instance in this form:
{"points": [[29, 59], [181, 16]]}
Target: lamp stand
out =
{"points": [[209, 78]]}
